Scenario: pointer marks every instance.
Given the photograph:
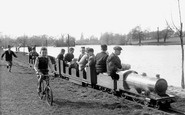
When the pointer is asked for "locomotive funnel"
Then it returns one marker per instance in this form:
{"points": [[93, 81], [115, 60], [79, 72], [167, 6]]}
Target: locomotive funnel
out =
{"points": [[161, 87]]}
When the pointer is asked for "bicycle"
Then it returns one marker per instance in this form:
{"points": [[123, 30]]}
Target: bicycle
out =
{"points": [[45, 89]]}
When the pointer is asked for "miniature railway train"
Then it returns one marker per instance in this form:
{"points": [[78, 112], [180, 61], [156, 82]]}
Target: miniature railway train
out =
{"points": [[150, 91]]}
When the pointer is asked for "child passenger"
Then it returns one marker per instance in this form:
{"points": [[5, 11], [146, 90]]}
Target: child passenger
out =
{"points": [[82, 53], [74, 65]]}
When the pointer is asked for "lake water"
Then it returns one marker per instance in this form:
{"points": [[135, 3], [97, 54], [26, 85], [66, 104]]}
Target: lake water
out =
{"points": [[163, 60]]}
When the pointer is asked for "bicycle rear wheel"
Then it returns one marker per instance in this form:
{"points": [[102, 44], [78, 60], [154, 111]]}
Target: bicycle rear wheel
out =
{"points": [[49, 96]]}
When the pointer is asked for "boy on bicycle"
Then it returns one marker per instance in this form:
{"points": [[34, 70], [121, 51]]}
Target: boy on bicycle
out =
{"points": [[42, 63]]}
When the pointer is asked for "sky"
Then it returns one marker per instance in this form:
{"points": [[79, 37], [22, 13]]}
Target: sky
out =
{"points": [[90, 17]]}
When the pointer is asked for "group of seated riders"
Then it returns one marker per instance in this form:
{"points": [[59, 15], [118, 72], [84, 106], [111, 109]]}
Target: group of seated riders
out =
{"points": [[100, 63]]}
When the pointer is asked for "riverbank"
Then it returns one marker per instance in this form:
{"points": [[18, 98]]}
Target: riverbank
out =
{"points": [[169, 41], [19, 96]]}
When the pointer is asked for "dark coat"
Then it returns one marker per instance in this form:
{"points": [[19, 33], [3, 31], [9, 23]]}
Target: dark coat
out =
{"points": [[60, 57], [68, 57], [8, 56], [113, 64], [101, 59]]}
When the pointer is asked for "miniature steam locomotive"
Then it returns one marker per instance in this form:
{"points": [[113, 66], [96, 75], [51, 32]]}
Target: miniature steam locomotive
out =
{"points": [[150, 91]]}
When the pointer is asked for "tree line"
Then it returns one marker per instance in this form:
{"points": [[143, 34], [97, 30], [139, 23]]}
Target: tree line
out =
{"points": [[43, 40], [135, 36]]}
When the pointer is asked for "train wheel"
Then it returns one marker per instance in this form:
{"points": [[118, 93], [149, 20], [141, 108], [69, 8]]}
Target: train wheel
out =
{"points": [[100, 88], [97, 87], [117, 93], [123, 96], [110, 91], [103, 89]]}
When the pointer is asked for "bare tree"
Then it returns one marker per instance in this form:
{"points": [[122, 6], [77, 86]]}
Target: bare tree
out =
{"points": [[166, 33], [182, 47], [180, 34]]}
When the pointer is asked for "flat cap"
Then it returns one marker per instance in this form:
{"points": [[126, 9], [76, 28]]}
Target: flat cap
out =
{"points": [[117, 48]]}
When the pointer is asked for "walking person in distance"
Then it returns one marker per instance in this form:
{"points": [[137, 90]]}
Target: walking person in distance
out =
{"points": [[8, 57]]}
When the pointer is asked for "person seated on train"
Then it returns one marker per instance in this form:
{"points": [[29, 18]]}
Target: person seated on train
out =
{"points": [[74, 65], [101, 59], [85, 61], [91, 66], [69, 56], [61, 55], [91, 59], [82, 53], [114, 63]]}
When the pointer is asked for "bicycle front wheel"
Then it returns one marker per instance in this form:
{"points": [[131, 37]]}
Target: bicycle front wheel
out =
{"points": [[49, 96]]}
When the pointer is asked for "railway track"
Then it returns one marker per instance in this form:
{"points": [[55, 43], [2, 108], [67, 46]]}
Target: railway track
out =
{"points": [[169, 111], [166, 111]]}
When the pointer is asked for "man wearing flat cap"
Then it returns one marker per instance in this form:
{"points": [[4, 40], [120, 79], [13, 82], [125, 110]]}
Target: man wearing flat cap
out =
{"points": [[114, 63], [118, 48]]}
